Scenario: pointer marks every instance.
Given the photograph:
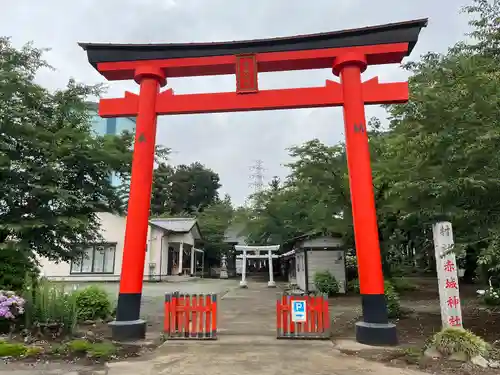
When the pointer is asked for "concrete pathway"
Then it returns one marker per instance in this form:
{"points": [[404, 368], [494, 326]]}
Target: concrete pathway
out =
{"points": [[247, 346]]}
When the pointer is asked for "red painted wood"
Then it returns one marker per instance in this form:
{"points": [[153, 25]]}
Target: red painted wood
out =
{"points": [[317, 317], [246, 74], [371, 278], [132, 271], [329, 95], [190, 316], [266, 62]]}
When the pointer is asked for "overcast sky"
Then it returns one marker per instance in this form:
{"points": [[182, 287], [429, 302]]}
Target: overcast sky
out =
{"points": [[227, 143]]}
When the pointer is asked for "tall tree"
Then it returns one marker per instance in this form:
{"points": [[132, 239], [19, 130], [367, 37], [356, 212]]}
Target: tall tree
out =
{"points": [[213, 221], [438, 156], [161, 196], [193, 187], [54, 173]]}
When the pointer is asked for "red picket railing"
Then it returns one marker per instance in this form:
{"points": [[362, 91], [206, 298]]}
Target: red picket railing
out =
{"points": [[317, 322], [190, 316]]}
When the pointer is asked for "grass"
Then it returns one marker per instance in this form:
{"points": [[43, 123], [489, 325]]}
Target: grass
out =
{"points": [[98, 350], [403, 284], [12, 349], [79, 347], [457, 340]]}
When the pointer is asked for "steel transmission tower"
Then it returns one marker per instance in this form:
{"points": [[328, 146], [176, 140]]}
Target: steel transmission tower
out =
{"points": [[257, 176]]}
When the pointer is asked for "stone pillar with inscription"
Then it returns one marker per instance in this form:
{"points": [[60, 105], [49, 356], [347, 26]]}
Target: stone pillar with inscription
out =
{"points": [[223, 268], [446, 266]]}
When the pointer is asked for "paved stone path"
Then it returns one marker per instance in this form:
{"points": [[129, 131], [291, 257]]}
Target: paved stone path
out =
{"points": [[246, 346]]}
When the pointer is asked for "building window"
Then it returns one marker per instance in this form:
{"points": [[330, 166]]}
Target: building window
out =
{"points": [[98, 258]]}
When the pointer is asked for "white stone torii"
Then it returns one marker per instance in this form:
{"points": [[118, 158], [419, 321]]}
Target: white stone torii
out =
{"points": [[269, 256]]}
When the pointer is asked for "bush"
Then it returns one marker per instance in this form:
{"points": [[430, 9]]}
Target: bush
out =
{"points": [[101, 350], [326, 283], [458, 340], [93, 303], [15, 264], [78, 346], [50, 308], [353, 286], [402, 285], [392, 298], [491, 297]]}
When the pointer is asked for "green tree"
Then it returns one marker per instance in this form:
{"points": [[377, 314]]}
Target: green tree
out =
{"points": [[213, 221], [193, 188], [161, 196], [54, 172], [440, 151], [314, 198]]}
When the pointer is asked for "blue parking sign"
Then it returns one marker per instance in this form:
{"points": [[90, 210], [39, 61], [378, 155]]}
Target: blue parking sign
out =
{"points": [[298, 311]]}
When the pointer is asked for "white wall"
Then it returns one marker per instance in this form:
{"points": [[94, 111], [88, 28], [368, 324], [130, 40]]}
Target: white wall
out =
{"points": [[157, 252], [112, 230], [182, 237], [319, 242], [327, 260]]}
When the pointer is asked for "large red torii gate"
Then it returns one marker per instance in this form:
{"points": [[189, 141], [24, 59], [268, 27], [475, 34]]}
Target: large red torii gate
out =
{"points": [[347, 53]]}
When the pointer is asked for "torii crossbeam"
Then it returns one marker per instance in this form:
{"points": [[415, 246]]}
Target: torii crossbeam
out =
{"points": [[347, 53]]}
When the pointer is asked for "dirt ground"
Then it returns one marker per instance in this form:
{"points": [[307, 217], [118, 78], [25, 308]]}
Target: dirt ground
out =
{"points": [[421, 319]]}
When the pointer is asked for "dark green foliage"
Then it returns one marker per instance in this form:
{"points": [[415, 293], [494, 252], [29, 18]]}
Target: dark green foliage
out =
{"points": [[435, 161], [326, 283], [54, 172], [392, 298], [353, 286], [15, 264], [403, 284], [50, 308], [92, 303], [457, 340]]}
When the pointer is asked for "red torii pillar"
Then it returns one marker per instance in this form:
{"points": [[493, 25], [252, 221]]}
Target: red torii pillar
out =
{"points": [[347, 53], [375, 327]]}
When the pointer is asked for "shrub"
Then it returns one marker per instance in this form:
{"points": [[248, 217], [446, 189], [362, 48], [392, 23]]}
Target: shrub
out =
{"points": [[15, 264], [100, 350], [491, 296], [458, 340], [353, 286], [402, 285], [78, 346], [326, 283], [93, 303], [50, 308], [392, 298]]}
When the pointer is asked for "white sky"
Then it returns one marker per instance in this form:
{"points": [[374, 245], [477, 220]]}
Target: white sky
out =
{"points": [[227, 143]]}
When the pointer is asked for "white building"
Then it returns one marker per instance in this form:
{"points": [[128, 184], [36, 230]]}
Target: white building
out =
{"points": [[170, 251], [315, 253]]}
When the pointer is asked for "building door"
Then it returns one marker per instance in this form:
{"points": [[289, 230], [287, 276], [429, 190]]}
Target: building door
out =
{"points": [[301, 271], [171, 258]]}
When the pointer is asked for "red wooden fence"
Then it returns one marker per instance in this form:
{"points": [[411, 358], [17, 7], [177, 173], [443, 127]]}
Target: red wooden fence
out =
{"points": [[190, 316], [317, 322]]}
